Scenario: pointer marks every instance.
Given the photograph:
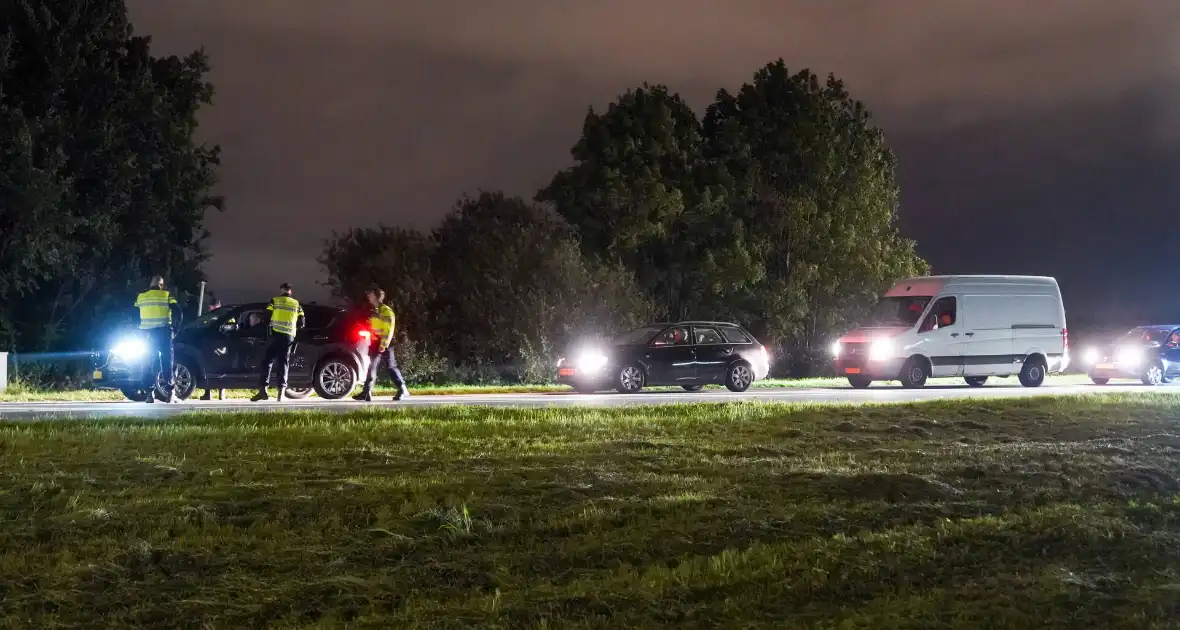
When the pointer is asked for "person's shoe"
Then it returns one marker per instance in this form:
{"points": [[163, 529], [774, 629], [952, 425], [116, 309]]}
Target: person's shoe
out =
{"points": [[260, 396], [402, 394], [364, 396], [208, 395], [279, 396], [151, 397], [174, 399]]}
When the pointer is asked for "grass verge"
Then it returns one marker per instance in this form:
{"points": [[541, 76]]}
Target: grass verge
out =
{"points": [[1038, 513], [20, 393]]}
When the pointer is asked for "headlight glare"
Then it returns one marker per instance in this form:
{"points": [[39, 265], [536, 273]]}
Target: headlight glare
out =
{"points": [[1130, 356], [837, 348], [882, 350], [592, 360], [129, 349], [1091, 356]]}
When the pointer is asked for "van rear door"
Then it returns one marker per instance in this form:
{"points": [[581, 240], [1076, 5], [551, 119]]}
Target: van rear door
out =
{"points": [[988, 327]]}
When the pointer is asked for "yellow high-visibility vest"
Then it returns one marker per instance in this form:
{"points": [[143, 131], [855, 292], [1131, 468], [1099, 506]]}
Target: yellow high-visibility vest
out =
{"points": [[284, 314], [382, 322], [155, 309]]}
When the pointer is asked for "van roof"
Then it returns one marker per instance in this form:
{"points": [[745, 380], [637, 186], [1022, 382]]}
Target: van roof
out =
{"points": [[931, 285]]}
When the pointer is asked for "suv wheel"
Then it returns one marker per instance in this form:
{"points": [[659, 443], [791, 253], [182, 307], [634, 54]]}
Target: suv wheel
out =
{"points": [[297, 393], [334, 378]]}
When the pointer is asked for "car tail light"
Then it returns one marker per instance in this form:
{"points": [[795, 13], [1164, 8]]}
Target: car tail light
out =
{"points": [[1065, 337], [765, 354], [364, 334]]}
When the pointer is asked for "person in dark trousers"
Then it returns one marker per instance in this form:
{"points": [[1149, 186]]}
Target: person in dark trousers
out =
{"points": [[286, 318], [381, 322], [159, 319], [208, 395]]}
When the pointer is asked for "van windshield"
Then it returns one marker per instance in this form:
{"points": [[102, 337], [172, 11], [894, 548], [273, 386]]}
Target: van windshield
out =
{"points": [[901, 310]]}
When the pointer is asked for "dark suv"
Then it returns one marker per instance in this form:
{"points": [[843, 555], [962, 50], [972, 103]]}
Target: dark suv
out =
{"points": [[688, 354], [224, 349]]}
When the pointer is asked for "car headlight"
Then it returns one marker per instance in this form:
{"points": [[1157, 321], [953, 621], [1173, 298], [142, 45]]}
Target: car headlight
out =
{"points": [[1091, 356], [591, 360], [1130, 356], [837, 348], [882, 349], [129, 349]]}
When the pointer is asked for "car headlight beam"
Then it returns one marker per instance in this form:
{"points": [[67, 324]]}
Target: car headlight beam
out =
{"points": [[1130, 356], [1091, 356], [836, 349]]}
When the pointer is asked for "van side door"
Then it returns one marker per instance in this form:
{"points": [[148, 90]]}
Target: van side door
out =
{"points": [[940, 338], [987, 332]]}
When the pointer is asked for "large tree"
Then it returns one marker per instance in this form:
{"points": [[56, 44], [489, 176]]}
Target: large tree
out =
{"points": [[101, 181], [778, 209]]}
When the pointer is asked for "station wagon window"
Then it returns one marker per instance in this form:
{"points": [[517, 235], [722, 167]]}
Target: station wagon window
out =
{"points": [[677, 336], [706, 336], [735, 335], [944, 313]]}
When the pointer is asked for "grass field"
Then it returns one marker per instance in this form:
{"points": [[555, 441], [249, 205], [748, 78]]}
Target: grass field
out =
{"points": [[19, 393], [1039, 513]]}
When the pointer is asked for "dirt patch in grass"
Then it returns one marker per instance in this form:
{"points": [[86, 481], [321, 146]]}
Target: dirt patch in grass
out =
{"points": [[1041, 514]]}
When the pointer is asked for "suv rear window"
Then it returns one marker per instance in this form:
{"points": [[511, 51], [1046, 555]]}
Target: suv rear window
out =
{"points": [[735, 335]]}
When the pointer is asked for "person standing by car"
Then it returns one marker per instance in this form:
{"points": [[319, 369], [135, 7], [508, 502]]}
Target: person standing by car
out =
{"points": [[286, 318], [159, 318], [381, 322], [208, 395]]}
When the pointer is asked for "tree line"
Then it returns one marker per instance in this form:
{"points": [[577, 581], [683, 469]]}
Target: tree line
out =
{"points": [[777, 208]]}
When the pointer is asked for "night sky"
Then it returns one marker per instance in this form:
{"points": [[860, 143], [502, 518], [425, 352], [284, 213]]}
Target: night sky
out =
{"points": [[1038, 137]]}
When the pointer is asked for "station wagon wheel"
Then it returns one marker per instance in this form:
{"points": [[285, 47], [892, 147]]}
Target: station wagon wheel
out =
{"points": [[1154, 374], [739, 377], [630, 379], [334, 378]]}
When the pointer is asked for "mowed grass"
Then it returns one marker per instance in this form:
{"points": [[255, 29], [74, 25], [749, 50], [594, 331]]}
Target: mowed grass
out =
{"points": [[1037, 513], [20, 393]]}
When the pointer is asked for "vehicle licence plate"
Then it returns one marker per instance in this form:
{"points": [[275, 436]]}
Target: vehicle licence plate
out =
{"points": [[97, 374], [852, 370], [565, 372], [1104, 366]]}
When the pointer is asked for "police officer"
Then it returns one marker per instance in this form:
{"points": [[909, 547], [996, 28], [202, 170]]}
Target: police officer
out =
{"points": [[159, 318], [286, 318], [216, 304], [381, 321]]}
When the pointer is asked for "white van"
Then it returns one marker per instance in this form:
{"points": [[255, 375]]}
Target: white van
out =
{"points": [[968, 326]]}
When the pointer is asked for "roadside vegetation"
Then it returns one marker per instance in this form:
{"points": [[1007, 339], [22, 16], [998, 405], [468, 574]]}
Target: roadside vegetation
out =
{"points": [[22, 392], [1035, 513]]}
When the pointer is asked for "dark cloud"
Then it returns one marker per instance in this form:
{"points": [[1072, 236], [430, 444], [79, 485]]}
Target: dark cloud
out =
{"points": [[1035, 137]]}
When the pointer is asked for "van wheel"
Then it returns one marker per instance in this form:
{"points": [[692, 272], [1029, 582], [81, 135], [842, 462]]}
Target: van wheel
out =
{"points": [[976, 381], [859, 382], [1033, 372], [914, 374], [1099, 381]]}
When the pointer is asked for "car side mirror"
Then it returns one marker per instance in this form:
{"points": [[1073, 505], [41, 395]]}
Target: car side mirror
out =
{"points": [[228, 328]]}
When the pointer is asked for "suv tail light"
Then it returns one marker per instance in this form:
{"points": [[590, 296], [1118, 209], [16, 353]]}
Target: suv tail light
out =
{"points": [[364, 334]]}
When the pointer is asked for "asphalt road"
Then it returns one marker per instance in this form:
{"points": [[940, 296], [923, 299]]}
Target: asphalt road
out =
{"points": [[834, 395]]}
